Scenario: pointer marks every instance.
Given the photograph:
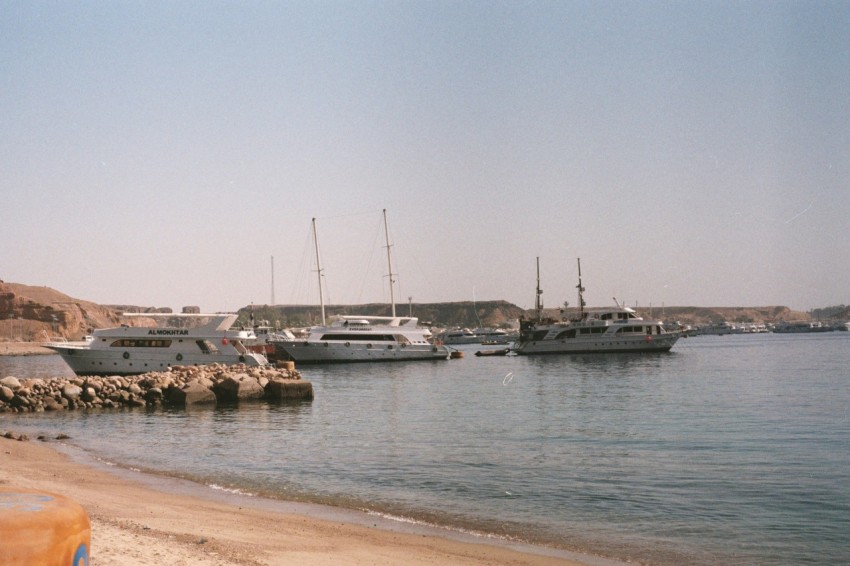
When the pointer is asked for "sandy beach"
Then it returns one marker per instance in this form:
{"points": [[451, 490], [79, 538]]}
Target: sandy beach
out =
{"points": [[134, 524]]}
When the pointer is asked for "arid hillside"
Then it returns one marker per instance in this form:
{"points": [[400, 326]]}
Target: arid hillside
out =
{"points": [[32, 313]]}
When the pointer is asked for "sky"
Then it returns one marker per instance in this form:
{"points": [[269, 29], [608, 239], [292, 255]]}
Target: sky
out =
{"points": [[690, 153]]}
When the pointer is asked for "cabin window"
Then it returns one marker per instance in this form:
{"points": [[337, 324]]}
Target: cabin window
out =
{"points": [[140, 343], [566, 334], [594, 330], [634, 329], [207, 347], [349, 337], [539, 335]]}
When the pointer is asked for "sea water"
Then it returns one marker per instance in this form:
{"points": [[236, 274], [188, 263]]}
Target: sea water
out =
{"points": [[731, 449]]}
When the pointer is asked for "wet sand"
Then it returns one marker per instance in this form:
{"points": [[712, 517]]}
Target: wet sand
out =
{"points": [[133, 523]]}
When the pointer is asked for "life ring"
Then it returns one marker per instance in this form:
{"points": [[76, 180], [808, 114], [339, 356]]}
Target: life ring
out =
{"points": [[404, 345], [126, 355], [242, 359], [179, 357], [390, 347], [347, 344], [224, 341], [326, 344], [369, 346]]}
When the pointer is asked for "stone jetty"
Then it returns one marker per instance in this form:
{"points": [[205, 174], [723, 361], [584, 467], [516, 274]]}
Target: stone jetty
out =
{"points": [[181, 386]]}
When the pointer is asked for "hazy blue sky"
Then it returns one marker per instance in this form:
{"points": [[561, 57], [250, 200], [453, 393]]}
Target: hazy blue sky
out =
{"points": [[691, 153]]}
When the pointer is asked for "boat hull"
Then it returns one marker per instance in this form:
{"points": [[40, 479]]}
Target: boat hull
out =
{"points": [[601, 344], [303, 352], [134, 361]]}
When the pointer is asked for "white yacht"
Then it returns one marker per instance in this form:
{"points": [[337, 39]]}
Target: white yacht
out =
{"points": [[365, 339], [458, 336], [492, 336], [361, 338], [609, 330], [802, 327], [131, 350]]}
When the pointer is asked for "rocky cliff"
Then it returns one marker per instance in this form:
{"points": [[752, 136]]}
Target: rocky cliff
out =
{"points": [[31, 313]]}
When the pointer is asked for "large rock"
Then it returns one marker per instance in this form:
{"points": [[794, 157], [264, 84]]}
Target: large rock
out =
{"points": [[193, 393], [239, 387], [51, 404], [6, 394], [11, 382], [72, 392], [289, 389]]}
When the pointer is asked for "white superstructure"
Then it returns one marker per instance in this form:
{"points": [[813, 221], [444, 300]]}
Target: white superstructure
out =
{"points": [[130, 350], [364, 339], [458, 336]]}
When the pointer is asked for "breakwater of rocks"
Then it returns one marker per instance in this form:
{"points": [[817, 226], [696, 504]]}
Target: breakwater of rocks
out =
{"points": [[179, 386]]}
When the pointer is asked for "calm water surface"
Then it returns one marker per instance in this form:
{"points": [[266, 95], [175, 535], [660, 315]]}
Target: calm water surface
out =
{"points": [[730, 449]]}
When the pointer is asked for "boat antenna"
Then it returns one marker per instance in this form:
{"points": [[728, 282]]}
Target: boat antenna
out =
{"points": [[538, 301], [319, 271], [580, 291], [389, 262]]}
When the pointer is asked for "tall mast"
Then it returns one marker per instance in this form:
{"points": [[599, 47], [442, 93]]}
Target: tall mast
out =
{"points": [[273, 281], [538, 301], [389, 262], [319, 272], [580, 291]]}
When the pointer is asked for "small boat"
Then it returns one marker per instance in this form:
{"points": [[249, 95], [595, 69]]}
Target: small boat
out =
{"points": [[499, 352], [603, 330], [132, 350]]}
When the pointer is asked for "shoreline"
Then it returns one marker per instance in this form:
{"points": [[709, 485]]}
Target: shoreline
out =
{"points": [[194, 525], [24, 349]]}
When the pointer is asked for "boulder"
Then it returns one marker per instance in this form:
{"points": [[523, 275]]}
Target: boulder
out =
{"points": [[190, 394], [289, 389], [51, 404], [239, 387], [6, 394], [18, 401], [154, 395], [72, 392], [11, 382]]}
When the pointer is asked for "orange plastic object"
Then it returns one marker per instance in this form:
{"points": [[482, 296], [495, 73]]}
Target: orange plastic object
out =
{"points": [[42, 529]]}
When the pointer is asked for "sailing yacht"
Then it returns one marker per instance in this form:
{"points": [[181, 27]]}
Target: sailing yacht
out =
{"points": [[360, 338]]}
